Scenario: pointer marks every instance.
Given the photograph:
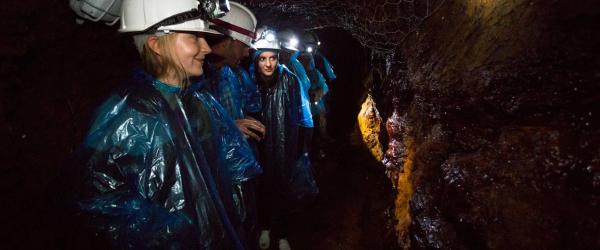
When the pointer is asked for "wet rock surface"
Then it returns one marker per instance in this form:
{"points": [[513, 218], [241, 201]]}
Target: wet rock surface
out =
{"points": [[504, 115], [369, 123]]}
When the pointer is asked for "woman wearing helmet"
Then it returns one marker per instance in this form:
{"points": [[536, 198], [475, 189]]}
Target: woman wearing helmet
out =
{"points": [[281, 146], [153, 175]]}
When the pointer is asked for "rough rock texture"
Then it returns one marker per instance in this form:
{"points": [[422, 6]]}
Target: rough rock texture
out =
{"points": [[500, 101], [398, 164], [503, 111], [369, 123]]}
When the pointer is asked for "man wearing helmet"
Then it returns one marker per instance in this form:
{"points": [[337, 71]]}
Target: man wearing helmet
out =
{"points": [[318, 88], [231, 86], [289, 57], [225, 80]]}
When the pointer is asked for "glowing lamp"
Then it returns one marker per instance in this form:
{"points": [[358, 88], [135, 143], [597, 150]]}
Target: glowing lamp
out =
{"points": [[294, 42]]}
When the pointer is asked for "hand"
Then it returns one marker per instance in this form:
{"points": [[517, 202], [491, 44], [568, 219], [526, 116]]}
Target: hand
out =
{"points": [[251, 127]]}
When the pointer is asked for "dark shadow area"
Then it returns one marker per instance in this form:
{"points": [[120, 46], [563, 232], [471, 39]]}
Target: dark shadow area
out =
{"points": [[352, 64], [54, 75], [354, 209]]}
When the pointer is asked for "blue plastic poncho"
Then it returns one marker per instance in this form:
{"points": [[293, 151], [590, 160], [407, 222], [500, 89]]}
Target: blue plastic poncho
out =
{"points": [[224, 85], [145, 177], [286, 167], [237, 154], [233, 89], [296, 67], [250, 94], [235, 151], [318, 83], [327, 67], [281, 115]]}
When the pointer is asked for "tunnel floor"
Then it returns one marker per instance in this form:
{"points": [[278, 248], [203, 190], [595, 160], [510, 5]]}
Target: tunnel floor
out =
{"points": [[354, 207]]}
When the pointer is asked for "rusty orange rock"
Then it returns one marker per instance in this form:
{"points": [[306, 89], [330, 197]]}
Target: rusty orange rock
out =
{"points": [[369, 123]]}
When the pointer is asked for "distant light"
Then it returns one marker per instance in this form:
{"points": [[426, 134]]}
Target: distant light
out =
{"points": [[309, 49], [293, 42], [318, 43], [270, 37]]}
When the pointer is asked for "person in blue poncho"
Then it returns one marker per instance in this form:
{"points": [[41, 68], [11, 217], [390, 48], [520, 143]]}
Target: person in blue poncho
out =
{"points": [[317, 92], [289, 57], [286, 179], [157, 166], [311, 45], [318, 88], [280, 96], [226, 80], [231, 86]]}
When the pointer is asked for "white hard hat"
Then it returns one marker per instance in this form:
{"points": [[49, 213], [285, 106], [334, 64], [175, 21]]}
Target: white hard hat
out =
{"points": [[267, 39], [239, 23], [107, 11], [310, 42], [155, 15], [288, 39]]}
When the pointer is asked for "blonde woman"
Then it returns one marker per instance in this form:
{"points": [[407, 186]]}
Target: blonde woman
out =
{"points": [[153, 172]]}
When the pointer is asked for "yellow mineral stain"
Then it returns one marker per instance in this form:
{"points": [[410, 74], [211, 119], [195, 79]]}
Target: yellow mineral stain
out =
{"points": [[369, 123], [405, 192], [483, 8]]}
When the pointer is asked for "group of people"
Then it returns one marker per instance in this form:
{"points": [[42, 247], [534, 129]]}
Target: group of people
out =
{"points": [[195, 151]]}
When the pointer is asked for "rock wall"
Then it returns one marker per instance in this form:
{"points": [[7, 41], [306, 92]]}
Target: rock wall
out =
{"points": [[500, 146]]}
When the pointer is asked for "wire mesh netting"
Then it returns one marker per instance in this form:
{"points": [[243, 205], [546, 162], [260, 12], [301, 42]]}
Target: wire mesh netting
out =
{"points": [[380, 25]]}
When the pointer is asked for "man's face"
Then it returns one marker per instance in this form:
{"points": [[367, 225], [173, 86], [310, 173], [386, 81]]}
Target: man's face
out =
{"points": [[231, 51], [284, 56], [237, 52], [267, 63]]}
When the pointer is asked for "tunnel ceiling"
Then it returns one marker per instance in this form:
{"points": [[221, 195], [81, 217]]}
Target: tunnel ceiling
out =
{"points": [[380, 25]]}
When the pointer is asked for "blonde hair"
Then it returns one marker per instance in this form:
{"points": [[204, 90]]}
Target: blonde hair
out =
{"points": [[164, 64]]}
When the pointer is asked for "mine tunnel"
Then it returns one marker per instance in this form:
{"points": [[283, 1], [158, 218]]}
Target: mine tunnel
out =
{"points": [[467, 124]]}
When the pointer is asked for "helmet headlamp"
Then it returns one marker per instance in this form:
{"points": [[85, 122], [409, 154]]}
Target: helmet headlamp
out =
{"points": [[294, 42]]}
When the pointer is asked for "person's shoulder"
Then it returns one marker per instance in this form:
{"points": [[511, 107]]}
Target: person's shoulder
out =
{"points": [[241, 70], [127, 104], [140, 96], [285, 70], [134, 102], [226, 69], [288, 76]]}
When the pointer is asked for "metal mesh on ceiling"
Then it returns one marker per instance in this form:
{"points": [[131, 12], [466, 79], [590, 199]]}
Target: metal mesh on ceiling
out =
{"points": [[380, 25]]}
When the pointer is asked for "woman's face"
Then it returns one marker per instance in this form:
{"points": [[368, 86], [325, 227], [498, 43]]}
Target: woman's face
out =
{"points": [[190, 49], [267, 63]]}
